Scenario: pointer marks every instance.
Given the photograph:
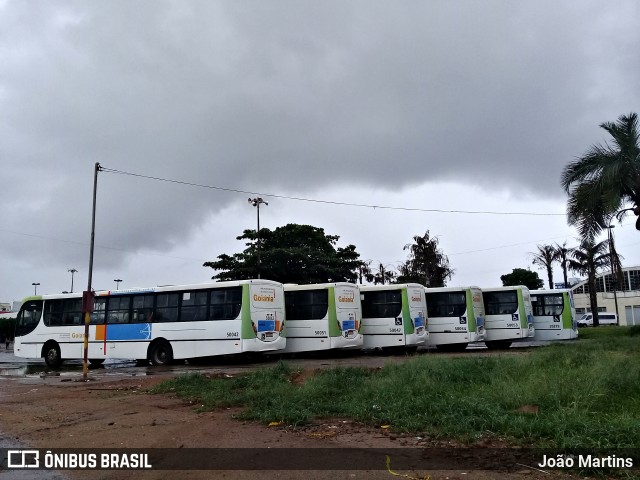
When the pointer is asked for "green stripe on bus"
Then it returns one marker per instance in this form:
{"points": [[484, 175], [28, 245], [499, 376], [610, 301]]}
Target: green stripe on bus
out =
{"points": [[334, 330], [406, 313], [524, 323], [471, 313], [247, 329]]}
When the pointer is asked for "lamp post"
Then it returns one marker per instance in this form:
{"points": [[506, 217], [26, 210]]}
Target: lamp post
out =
{"points": [[35, 288], [615, 272], [614, 269], [117, 280], [256, 202], [72, 271]]}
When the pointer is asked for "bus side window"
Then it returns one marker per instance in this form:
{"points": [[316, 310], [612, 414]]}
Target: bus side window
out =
{"points": [[99, 306], [53, 313], [118, 309], [142, 308]]}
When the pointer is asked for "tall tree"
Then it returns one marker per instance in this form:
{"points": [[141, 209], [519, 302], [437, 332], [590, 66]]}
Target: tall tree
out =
{"points": [[384, 274], [522, 276], [365, 272], [560, 256], [587, 259], [605, 178], [291, 254], [427, 264], [544, 258]]}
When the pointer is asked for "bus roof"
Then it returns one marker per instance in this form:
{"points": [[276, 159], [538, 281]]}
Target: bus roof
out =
{"points": [[450, 289], [392, 286], [504, 289], [549, 292], [316, 286], [163, 288]]}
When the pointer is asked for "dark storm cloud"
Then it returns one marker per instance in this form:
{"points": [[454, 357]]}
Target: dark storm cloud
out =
{"points": [[268, 96]]}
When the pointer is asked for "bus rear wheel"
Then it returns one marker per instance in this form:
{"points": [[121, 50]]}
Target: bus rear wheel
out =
{"points": [[498, 344], [51, 354], [96, 362], [161, 353]]}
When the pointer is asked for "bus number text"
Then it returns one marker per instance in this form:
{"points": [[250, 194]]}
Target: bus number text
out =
{"points": [[513, 325], [395, 330], [321, 333], [232, 334]]}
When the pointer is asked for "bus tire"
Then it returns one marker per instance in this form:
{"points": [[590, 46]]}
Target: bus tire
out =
{"points": [[161, 353], [498, 344], [51, 354], [96, 362]]}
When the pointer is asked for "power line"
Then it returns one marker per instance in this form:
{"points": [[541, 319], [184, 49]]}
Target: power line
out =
{"points": [[327, 202]]}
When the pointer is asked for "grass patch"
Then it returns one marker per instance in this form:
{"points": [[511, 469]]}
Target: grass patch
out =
{"points": [[605, 331], [582, 395]]}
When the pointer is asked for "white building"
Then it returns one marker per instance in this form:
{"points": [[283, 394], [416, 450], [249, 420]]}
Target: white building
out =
{"points": [[627, 296]]}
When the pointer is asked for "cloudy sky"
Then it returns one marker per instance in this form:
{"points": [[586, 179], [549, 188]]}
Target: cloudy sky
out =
{"points": [[434, 105]]}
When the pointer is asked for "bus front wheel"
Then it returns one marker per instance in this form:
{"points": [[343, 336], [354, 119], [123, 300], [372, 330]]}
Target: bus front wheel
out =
{"points": [[161, 353], [96, 362], [51, 354]]}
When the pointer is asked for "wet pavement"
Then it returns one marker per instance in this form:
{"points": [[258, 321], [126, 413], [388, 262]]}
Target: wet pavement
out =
{"points": [[35, 370]]}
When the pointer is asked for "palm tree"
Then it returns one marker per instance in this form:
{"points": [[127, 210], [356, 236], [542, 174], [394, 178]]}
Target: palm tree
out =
{"points": [[364, 271], [427, 264], [605, 178], [560, 256], [587, 259], [383, 274], [544, 258]]}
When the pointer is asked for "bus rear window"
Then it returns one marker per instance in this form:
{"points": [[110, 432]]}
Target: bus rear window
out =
{"points": [[500, 303]]}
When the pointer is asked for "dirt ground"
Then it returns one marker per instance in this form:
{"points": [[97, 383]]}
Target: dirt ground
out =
{"points": [[112, 412]]}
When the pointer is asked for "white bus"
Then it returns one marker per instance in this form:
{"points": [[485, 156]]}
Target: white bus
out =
{"points": [[322, 317], [155, 324], [393, 315], [508, 315], [554, 314], [456, 317]]}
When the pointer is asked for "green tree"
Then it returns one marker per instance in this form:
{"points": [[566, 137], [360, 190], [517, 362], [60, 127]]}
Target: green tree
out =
{"points": [[290, 254], [587, 259], [544, 258], [522, 276], [427, 264], [605, 178]]}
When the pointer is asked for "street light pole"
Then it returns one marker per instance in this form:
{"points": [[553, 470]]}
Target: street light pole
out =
{"points": [[614, 270], [117, 280], [35, 288], [256, 202], [72, 271], [615, 273]]}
